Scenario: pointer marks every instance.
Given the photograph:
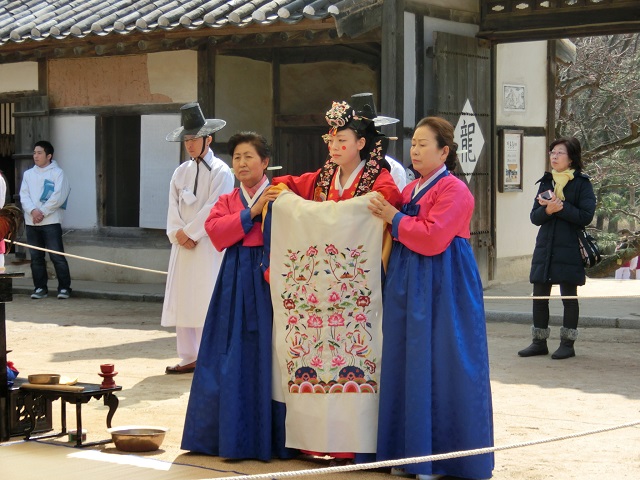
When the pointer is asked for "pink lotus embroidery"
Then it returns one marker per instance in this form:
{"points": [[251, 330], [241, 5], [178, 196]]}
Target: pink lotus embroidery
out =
{"points": [[338, 361], [334, 297], [314, 321], [336, 320], [317, 362]]}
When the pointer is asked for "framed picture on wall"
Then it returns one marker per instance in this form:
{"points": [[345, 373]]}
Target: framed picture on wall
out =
{"points": [[510, 160], [514, 98]]}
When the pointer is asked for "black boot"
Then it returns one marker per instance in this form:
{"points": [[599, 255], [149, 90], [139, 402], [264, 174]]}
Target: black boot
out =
{"points": [[565, 350], [539, 345]]}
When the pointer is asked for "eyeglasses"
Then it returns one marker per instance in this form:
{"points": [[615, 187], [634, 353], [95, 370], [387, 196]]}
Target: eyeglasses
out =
{"points": [[557, 154]]}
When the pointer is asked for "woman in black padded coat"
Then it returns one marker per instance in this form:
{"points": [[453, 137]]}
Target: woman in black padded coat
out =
{"points": [[565, 204]]}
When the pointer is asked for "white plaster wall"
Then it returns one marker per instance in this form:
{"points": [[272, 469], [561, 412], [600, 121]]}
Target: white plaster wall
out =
{"points": [[18, 77], [73, 138], [174, 74], [158, 161], [243, 97], [309, 89], [515, 233], [521, 64]]}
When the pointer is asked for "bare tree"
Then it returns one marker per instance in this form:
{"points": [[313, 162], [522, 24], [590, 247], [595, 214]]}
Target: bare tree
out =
{"points": [[598, 101]]}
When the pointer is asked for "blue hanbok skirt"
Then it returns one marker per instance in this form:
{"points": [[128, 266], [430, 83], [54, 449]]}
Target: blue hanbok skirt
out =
{"points": [[435, 395], [230, 412]]}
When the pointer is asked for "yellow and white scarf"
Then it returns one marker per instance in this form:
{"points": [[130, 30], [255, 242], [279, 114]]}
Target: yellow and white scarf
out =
{"points": [[561, 179]]}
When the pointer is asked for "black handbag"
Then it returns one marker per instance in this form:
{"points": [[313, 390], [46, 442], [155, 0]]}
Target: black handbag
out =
{"points": [[588, 249]]}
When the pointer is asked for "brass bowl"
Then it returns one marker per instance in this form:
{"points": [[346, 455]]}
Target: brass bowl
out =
{"points": [[137, 438], [44, 378]]}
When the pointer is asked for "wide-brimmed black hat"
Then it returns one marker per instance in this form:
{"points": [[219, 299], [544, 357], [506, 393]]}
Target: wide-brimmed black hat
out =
{"points": [[364, 106], [194, 124]]}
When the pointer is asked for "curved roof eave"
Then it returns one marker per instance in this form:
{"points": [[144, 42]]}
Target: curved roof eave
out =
{"points": [[58, 20]]}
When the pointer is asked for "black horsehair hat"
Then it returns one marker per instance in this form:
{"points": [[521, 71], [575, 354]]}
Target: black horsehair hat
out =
{"points": [[194, 123], [365, 107]]}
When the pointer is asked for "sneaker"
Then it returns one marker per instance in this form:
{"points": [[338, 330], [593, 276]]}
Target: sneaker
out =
{"points": [[39, 293], [64, 294]]}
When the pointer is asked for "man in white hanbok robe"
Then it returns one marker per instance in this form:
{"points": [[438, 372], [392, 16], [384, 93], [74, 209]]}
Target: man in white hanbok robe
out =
{"points": [[194, 264]]}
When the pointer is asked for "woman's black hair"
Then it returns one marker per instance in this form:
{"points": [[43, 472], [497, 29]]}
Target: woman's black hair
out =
{"points": [[444, 136], [255, 139], [574, 150]]}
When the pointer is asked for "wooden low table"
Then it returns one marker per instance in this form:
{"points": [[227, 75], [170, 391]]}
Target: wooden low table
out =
{"points": [[73, 396]]}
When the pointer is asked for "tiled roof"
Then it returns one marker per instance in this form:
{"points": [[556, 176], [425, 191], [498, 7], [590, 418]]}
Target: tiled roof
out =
{"points": [[34, 20]]}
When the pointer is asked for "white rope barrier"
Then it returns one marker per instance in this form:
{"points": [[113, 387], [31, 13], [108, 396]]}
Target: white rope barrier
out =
{"points": [[70, 255], [428, 458], [486, 297], [559, 297]]}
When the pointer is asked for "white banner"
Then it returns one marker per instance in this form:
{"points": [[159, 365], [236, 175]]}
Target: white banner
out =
{"points": [[327, 300]]}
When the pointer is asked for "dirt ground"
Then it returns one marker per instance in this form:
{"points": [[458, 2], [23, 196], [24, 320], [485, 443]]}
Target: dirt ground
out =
{"points": [[534, 399]]}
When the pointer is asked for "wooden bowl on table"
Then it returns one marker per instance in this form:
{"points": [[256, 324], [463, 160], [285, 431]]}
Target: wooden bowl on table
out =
{"points": [[44, 379]]}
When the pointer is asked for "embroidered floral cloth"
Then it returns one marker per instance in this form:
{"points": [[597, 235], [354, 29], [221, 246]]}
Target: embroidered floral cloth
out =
{"points": [[325, 287]]}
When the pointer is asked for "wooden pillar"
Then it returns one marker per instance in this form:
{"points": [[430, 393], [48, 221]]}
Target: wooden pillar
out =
{"points": [[207, 80], [420, 56], [392, 75], [551, 91], [276, 106]]}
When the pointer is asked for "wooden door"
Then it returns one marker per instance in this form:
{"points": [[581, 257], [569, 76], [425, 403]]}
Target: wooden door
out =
{"points": [[300, 150], [32, 124], [462, 70], [31, 116]]}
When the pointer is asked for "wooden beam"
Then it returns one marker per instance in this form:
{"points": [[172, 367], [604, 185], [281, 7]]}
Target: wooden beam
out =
{"points": [[310, 120], [358, 18], [420, 8], [142, 109], [43, 78], [528, 131], [559, 21]]}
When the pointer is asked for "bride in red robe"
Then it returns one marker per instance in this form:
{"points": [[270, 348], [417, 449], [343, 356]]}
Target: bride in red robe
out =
{"points": [[356, 163], [355, 167]]}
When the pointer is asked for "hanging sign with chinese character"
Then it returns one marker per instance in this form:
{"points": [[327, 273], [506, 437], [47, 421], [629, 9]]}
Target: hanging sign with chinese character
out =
{"points": [[469, 139]]}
